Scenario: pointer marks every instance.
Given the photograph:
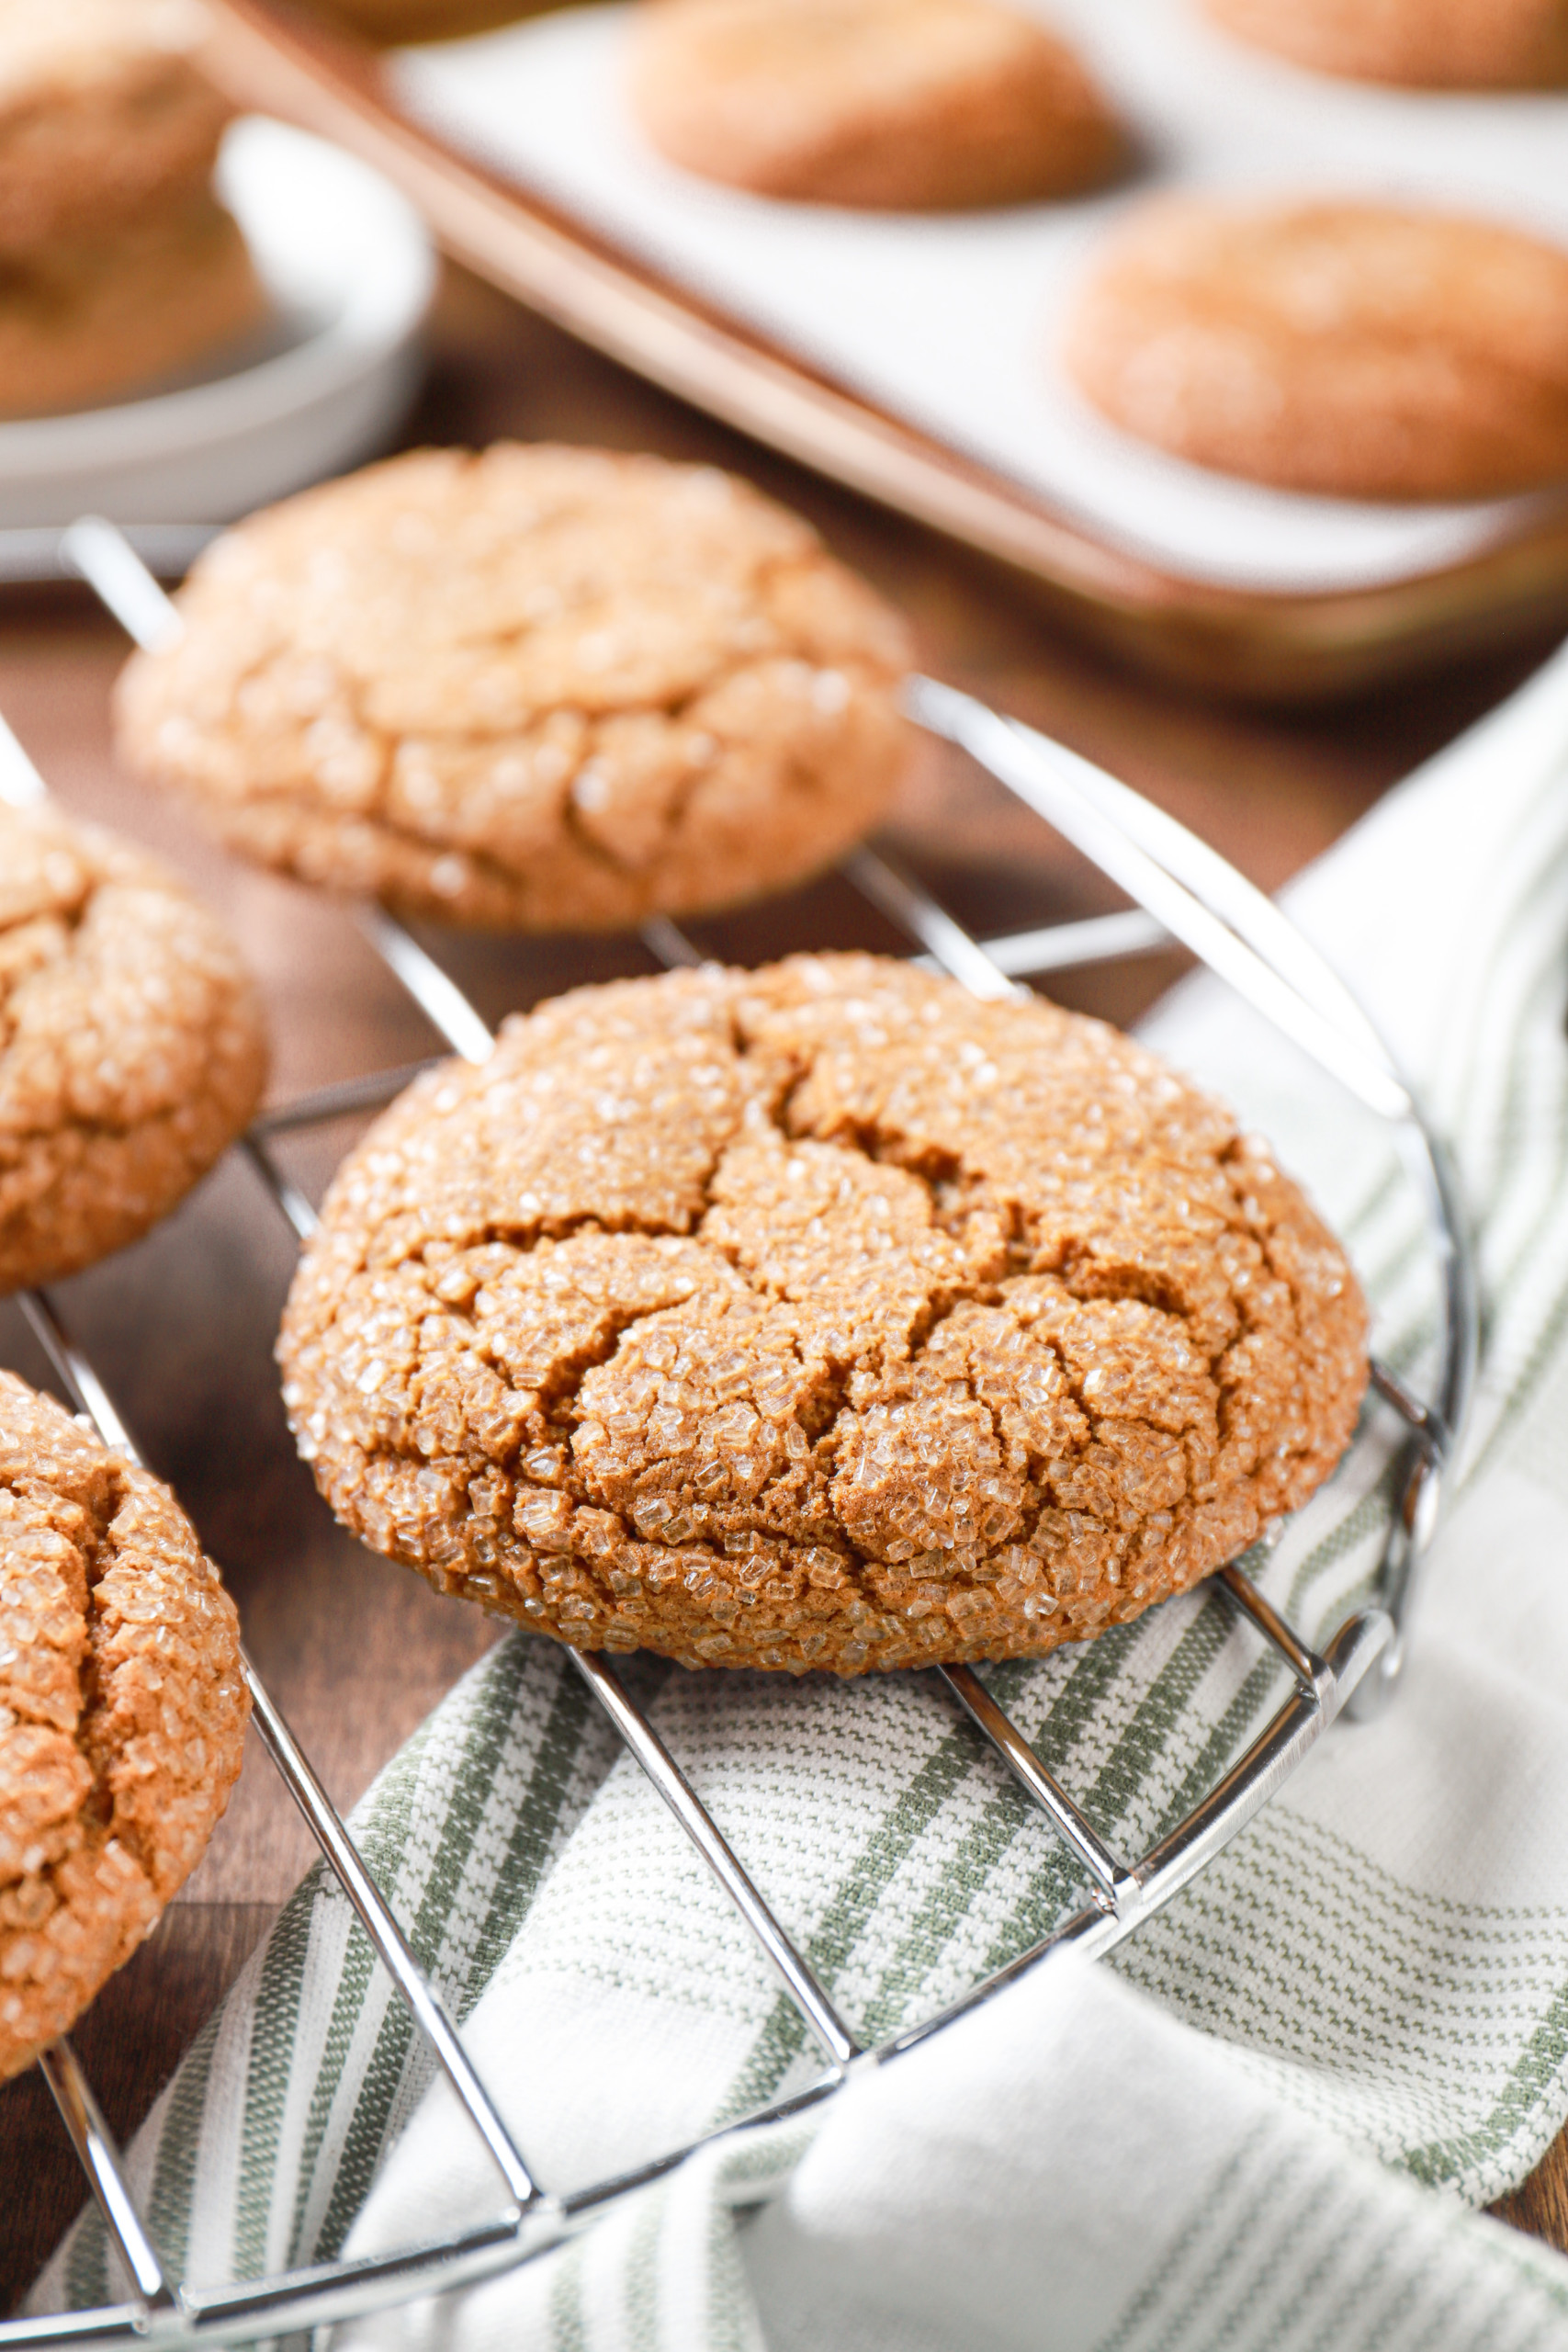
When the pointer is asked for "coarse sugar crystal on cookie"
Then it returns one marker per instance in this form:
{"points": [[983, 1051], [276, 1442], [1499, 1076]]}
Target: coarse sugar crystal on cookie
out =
{"points": [[816, 1316], [903, 105], [132, 1045], [1354, 349], [122, 1713], [540, 687], [104, 117]]}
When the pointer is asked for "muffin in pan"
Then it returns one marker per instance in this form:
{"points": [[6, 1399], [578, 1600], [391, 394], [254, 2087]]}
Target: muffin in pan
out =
{"points": [[1354, 349], [122, 1713], [884, 105], [549, 688], [816, 1316], [132, 1048]]}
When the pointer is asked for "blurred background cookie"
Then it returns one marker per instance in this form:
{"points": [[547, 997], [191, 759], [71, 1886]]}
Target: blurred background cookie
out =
{"points": [[103, 115], [1346, 349], [87, 320], [122, 1713], [907, 105], [544, 687], [118, 265], [1431, 44], [131, 1050], [386, 22]]}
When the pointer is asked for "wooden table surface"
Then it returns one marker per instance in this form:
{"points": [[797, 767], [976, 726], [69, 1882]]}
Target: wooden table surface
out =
{"points": [[182, 1324]]}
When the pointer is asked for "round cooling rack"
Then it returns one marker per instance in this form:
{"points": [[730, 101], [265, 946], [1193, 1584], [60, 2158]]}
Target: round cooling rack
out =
{"points": [[1182, 890]]}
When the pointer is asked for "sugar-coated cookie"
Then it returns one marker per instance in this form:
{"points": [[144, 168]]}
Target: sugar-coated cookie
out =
{"points": [[122, 1713], [546, 687], [1429, 44], [903, 105], [102, 115], [131, 1048], [1348, 348], [816, 1316]]}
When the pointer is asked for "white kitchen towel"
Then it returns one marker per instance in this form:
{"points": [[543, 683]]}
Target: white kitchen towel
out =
{"points": [[1261, 2123]]}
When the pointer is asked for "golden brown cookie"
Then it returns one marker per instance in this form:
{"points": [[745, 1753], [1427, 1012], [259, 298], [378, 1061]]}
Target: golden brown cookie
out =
{"points": [[122, 1713], [816, 1316], [543, 687], [93, 320], [1346, 349], [1424, 44], [131, 1050], [102, 115], [903, 105]]}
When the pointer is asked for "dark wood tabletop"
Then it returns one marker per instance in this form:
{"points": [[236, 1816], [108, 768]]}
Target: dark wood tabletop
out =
{"points": [[182, 1324]]}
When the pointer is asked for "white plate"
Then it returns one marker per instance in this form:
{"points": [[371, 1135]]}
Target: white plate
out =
{"points": [[351, 272]]}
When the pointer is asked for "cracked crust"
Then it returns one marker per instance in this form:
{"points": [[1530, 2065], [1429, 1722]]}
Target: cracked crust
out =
{"points": [[131, 1048], [103, 117], [1349, 349], [1423, 44], [536, 687], [816, 1316], [122, 1713], [903, 105]]}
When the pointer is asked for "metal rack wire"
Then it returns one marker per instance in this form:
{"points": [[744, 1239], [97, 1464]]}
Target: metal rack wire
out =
{"points": [[1183, 890]]}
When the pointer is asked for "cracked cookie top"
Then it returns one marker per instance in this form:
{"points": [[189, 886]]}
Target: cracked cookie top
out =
{"points": [[122, 1713], [132, 1048], [816, 1316], [544, 687]]}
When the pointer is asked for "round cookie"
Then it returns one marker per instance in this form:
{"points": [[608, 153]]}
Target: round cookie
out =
{"points": [[816, 1316], [131, 1050], [540, 687], [102, 115], [1423, 44], [85, 322], [122, 1713], [902, 105], [387, 21], [1345, 348]]}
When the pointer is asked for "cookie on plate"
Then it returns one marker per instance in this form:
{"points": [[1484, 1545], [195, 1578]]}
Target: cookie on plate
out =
{"points": [[544, 687], [1346, 349], [816, 1316], [900, 105], [103, 116], [1424, 44], [96, 320], [131, 1052], [122, 1713]]}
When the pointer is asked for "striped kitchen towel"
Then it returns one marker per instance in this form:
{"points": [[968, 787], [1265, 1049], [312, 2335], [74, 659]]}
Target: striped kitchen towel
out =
{"points": [[1263, 2121]]}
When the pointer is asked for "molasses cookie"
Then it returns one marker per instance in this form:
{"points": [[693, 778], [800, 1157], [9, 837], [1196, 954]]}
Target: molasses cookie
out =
{"points": [[122, 1713], [904, 105], [816, 1316], [1345, 348], [1424, 44], [131, 1050], [543, 687], [103, 116], [98, 319]]}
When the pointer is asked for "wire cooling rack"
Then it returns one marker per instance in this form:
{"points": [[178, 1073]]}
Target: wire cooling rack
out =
{"points": [[1182, 890]]}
